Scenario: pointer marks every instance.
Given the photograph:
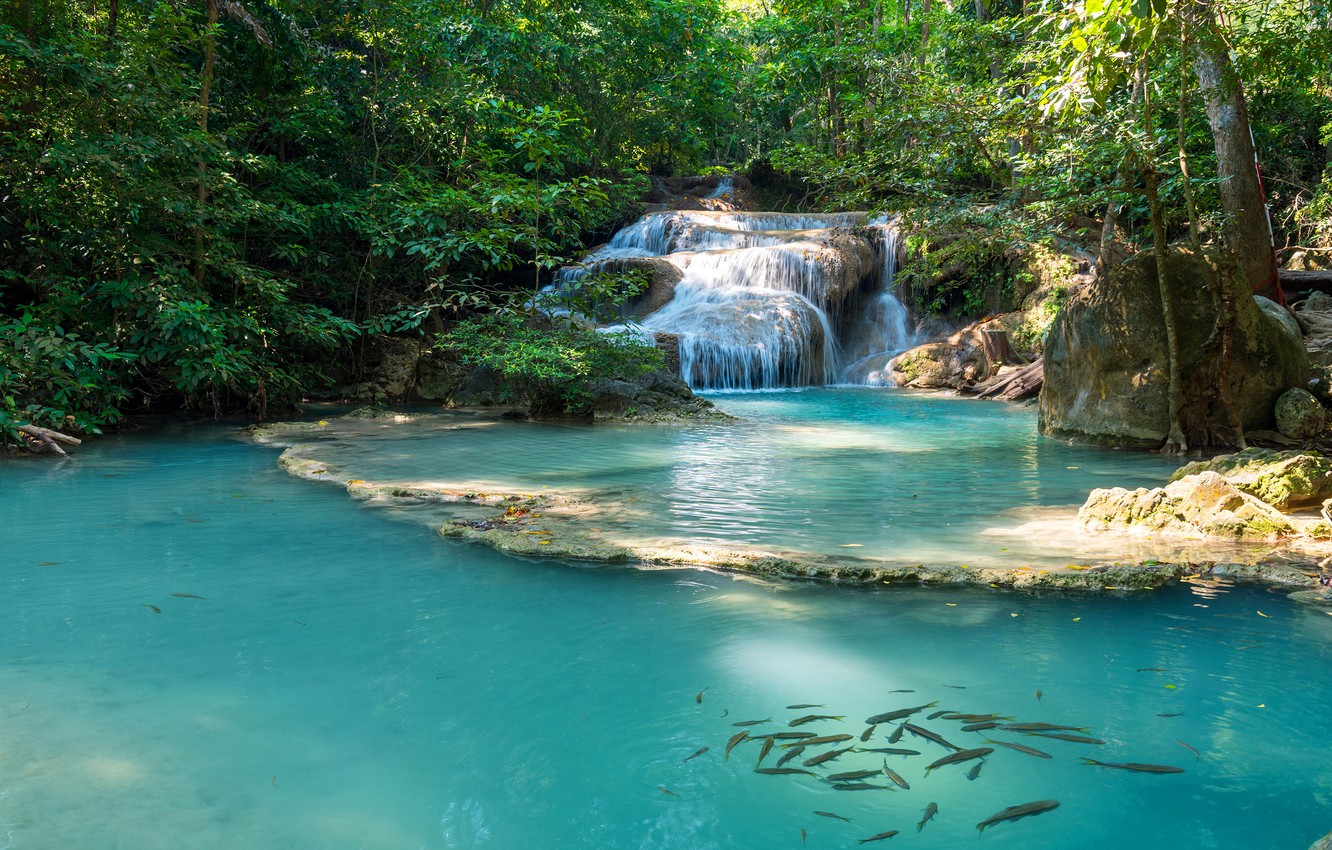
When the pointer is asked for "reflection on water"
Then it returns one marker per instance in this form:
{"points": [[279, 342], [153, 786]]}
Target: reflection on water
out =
{"points": [[347, 682]]}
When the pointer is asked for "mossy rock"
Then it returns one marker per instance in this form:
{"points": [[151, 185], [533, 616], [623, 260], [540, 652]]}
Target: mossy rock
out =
{"points": [[1283, 479], [1203, 506]]}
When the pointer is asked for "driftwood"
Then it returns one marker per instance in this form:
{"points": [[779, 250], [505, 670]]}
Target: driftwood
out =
{"points": [[48, 440], [1023, 384], [1305, 280]]}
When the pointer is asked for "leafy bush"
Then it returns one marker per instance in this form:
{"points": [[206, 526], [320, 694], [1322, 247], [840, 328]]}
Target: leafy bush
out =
{"points": [[550, 366]]}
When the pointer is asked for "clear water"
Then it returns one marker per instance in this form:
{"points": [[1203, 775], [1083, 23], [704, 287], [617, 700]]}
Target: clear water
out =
{"points": [[903, 476], [351, 682]]}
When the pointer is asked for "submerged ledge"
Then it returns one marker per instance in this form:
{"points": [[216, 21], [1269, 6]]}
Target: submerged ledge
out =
{"points": [[556, 525]]}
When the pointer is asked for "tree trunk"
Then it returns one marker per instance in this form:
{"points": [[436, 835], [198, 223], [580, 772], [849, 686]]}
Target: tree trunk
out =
{"points": [[205, 94], [1247, 231]]}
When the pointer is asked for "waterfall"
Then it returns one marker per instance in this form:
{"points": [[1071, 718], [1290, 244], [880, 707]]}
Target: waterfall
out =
{"points": [[769, 300]]}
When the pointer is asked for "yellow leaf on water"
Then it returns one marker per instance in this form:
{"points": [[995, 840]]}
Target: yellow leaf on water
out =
{"points": [[1076, 619], [1075, 467], [1172, 687], [1014, 614], [851, 545], [1261, 614], [1262, 705], [951, 604], [323, 422], [544, 542]]}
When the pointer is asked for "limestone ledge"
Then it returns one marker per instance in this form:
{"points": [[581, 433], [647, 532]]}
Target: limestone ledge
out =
{"points": [[551, 526]]}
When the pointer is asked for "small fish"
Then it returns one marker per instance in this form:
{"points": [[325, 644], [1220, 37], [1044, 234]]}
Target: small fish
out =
{"points": [[896, 736], [753, 722], [48, 563], [188, 596], [803, 836], [1141, 768], [1014, 812], [861, 786], [977, 727], [810, 718], [892, 751], [936, 715], [274, 782], [1031, 751], [823, 757], [1196, 755], [957, 687], [1151, 669], [700, 752], [784, 759], [899, 713], [903, 691], [975, 771], [1039, 694], [930, 811], [803, 705], [974, 718], [895, 776], [790, 735], [881, 836], [783, 771], [1042, 727], [1077, 739], [152, 608], [929, 736], [960, 756], [865, 736], [735, 739], [1172, 714], [665, 790], [725, 711], [831, 815], [698, 697], [767, 748], [822, 739], [853, 775]]}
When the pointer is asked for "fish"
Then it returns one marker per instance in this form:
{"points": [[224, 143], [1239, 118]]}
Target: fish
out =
{"points": [[188, 596], [930, 811], [831, 815], [786, 736], [803, 835], [1039, 695], [975, 770], [1031, 751], [735, 739], [725, 711], [929, 736], [803, 705], [666, 790], [957, 687], [753, 722], [892, 751], [1196, 755], [895, 776], [1172, 714], [865, 736], [977, 727], [936, 715], [698, 697], [810, 718], [899, 713], [861, 786], [701, 751], [903, 691], [896, 736], [960, 756], [973, 718], [1140, 768], [1151, 669], [811, 741], [767, 748], [1077, 739], [823, 757], [881, 836], [784, 759], [783, 771], [152, 608], [853, 775], [1035, 807], [1042, 727]]}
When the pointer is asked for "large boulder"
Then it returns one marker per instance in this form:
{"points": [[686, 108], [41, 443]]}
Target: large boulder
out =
{"points": [[1284, 480], [1106, 363], [953, 361], [1299, 415], [1203, 506]]}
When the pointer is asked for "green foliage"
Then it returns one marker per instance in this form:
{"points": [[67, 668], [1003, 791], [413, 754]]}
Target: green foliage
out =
{"points": [[549, 366]]}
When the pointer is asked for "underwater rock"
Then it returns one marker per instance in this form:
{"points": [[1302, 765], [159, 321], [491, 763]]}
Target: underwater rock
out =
{"points": [[1282, 479], [1106, 364], [1199, 506], [1299, 415], [1324, 843]]}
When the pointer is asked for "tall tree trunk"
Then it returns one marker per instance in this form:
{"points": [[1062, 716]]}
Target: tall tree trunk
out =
{"points": [[1247, 231], [205, 94], [1190, 201]]}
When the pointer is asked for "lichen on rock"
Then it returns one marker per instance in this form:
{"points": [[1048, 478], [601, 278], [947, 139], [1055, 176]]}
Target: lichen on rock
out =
{"points": [[1199, 506], [1282, 479]]}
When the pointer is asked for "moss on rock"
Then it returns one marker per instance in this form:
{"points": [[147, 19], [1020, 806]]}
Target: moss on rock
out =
{"points": [[1282, 479]]}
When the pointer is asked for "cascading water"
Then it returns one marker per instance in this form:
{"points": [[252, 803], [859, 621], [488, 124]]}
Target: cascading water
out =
{"points": [[769, 300]]}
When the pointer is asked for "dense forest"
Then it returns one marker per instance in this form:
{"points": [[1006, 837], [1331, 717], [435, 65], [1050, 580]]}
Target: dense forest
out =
{"points": [[220, 206]]}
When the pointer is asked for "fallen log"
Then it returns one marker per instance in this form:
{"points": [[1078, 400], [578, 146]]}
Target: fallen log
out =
{"points": [[48, 439], [1297, 280], [1022, 384]]}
